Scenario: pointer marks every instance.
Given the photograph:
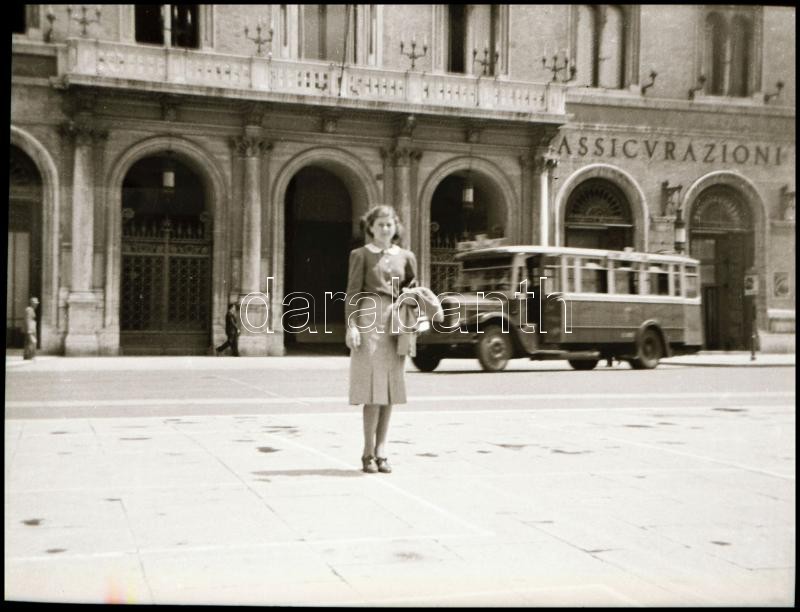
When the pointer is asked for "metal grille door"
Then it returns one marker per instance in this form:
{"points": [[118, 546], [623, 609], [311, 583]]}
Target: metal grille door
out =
{"points": [[166, 288]]}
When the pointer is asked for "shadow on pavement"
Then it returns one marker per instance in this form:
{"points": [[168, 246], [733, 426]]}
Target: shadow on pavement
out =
{"points": [[340, 473]]}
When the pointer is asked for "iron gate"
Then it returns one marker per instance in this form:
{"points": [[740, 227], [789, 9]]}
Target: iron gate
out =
{"points": [[166, 286]]}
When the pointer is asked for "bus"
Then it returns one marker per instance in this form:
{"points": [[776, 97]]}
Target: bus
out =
{"points": [[582, 305]]}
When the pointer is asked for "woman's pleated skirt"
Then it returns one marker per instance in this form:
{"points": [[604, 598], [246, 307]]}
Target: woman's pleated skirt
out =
{"points": [[377, 372]]}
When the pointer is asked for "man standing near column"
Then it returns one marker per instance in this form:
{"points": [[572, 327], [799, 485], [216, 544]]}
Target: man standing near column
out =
{"points": [[30, 329]]}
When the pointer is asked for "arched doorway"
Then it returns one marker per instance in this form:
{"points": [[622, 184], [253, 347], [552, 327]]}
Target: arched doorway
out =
{"points": [[598, 216], [165, 288], [721, 237], [24, 265], [465, 208], [318, 239]]}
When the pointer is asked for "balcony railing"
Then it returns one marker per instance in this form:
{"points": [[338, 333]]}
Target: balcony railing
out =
{"points": [[318, 79]]}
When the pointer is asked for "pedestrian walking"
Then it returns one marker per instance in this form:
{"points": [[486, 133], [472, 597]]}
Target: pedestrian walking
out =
{"points": [[30, 329], [377, 370], [231, 331]]}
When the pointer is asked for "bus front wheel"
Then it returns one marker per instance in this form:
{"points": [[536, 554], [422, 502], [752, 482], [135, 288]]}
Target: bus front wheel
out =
{"points": [[582, 364], [648, 351], [494, 349]]}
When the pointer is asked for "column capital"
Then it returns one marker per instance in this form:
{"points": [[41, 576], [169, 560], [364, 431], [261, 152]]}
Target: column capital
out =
{"points": [[82, 133], [250, 146], [404, 156]]}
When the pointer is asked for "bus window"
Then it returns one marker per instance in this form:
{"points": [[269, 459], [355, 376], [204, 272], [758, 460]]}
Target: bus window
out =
{"points": [[658, 279], [573, 274], [691, 281], [594, 276], [486, 274], [626, 277], [552, 270]]}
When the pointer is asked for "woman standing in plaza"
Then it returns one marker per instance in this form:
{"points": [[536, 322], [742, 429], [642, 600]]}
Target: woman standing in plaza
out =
{"points": [[377, 372]]}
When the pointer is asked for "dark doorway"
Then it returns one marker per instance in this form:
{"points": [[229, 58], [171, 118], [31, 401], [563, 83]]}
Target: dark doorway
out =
{"points": [[165, 289], [24, 265], [318, 240], [722, 239]]}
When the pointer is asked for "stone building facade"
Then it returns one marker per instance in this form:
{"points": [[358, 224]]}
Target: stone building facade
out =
{"points": [[166, 161]]}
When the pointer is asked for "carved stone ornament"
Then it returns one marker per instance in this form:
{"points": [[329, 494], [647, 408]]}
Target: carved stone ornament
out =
{"points": [[248, 146], [252, 114], [670, 199], [403, 156], [787, 204], [406, 125], [82, 133], [549, 159], [169, 108]]}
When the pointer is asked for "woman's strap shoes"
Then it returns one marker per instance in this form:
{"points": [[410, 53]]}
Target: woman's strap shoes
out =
{"points": [[368, 464], [383, 465]]}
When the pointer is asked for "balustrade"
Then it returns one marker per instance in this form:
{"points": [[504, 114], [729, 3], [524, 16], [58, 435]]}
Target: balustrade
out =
{"points": [[93, 58]]}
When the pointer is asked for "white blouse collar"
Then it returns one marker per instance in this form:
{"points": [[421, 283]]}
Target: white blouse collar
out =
{"points": [[392, 250]]}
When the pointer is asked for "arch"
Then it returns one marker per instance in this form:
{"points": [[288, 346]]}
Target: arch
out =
{"points": [[734, 180], [51, 188], [622, 180], [486, 170], [215, 185], [356, 176]]}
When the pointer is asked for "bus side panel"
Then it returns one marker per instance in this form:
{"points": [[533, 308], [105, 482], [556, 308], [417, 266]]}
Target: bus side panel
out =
{"points": [[590, 322], [608, 322]]}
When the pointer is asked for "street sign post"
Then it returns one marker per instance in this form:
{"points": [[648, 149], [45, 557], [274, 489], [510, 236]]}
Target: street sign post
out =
{"points": [[751, 291]]}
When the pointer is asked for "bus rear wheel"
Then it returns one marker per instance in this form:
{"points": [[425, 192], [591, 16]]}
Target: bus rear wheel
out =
{"points": [[494, 349], [426, 361], [648, 351], [582, 364]]}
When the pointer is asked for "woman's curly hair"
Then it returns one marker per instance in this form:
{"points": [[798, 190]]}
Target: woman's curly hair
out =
{"points": [[381, 210]]}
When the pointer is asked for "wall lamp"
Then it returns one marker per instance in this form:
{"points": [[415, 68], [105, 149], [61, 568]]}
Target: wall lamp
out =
{"points": [[680, 232], [769, 96], [260, 40], [83, 20], [646, 86], [701, 82]]}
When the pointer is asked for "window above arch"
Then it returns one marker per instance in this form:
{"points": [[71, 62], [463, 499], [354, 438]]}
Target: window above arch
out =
{"points": [[730, 39], [174, 25], [604, 40]]}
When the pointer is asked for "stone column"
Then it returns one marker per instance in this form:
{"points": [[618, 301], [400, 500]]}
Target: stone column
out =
{"points": [[253, 309], [83, 325], [527, 225], [402, 158], [546, 163]]}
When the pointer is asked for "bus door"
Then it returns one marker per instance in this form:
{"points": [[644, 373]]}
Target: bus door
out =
{"points": [[530, 271]]}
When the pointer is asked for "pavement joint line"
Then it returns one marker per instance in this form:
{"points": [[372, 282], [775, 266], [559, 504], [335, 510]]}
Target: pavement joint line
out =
{"points": [[385, 483], [722, 396], [299, 542], [247, 384], [671, 451], [353, 412]]}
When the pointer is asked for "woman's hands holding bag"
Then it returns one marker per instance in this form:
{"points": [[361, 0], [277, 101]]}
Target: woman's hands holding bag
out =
{"points": [[353, 338]]}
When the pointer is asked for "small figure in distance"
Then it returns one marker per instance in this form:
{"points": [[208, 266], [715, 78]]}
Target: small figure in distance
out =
{"points": [[30, 329], [231, 331]]}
